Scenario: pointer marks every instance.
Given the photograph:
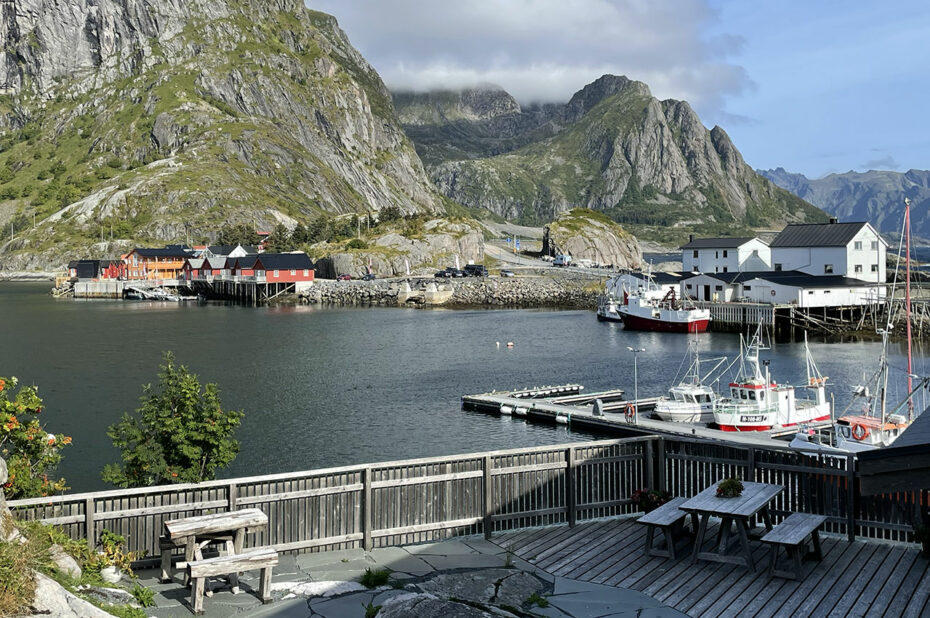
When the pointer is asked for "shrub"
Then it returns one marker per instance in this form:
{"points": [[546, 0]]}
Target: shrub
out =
{"points": [[357, 243], [730, 488], [373, 579]]}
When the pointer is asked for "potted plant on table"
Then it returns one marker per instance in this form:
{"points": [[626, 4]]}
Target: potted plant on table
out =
{"points": [[730, 488], [650, 499]]}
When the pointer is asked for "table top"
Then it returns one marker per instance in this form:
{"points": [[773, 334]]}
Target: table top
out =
{"points": [[755, 497], [216, 523]]}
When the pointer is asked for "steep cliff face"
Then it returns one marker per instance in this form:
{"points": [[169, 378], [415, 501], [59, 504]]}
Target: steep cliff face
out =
{"points": [[874, 196], [585, 234], [152, 120], [613, 147]]}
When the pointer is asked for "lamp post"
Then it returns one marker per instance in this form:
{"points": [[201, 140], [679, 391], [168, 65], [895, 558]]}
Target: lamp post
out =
{"points": [[635, 352]]}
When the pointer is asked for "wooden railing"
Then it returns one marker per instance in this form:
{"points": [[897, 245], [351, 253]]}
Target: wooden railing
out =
{"points": [[404, 502]]}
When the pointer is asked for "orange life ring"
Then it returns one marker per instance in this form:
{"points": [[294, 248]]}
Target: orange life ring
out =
{"points": [[860, 432], [629, 413]]}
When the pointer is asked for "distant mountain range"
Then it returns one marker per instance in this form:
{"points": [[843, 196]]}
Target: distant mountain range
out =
{"points": [[648, 164], [873, 196]]}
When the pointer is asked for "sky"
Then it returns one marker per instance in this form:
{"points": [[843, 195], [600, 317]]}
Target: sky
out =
{"points": [[816, 86]]}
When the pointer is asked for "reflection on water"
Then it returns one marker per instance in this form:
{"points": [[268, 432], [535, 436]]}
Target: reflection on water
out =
{"points": [[327, 387]]}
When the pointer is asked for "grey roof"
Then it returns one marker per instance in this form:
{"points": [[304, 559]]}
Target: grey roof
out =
{"points": [[660, 277], [917, 434], [716, 243], [285, 261], [168, 251], [817, 234], [788, 277]]}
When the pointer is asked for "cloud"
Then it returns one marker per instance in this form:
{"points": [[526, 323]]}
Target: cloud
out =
{"points": [[887, 162], [545, 50]]}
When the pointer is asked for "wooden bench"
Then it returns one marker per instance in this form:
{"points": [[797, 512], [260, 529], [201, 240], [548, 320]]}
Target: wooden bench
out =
{"points": [[791, 534], [670, 519], [199, 570]]}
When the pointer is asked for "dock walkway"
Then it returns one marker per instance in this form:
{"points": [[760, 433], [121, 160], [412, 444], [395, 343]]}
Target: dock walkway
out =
{"points": [[861, 578]]}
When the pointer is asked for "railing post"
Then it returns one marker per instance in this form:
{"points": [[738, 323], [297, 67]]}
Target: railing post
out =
{"points": [[661, 462], [232, 493], [851, 497], [366, 509], [649, 468], [89, 527], [488, 496], [751, 465], [570, 487]]}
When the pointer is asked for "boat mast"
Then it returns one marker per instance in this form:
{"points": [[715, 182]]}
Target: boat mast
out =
{"points": [[907, 302]]}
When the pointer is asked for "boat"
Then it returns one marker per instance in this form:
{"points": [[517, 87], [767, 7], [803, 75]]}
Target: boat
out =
{"points": [[758, 403], [650, 308], [872, 425], [646, 311], [689, 401]]}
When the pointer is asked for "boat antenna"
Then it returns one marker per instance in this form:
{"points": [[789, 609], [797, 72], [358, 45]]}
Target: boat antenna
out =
{"points": [[907, 303]]}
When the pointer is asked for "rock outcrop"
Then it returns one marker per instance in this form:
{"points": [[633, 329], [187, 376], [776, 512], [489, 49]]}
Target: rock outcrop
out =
{"points": [[585, 234], [161, 121], [613, 147]]}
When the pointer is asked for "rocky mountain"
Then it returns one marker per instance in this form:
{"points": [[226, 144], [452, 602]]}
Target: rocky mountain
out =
{"points": [[146, 120], [873, 196], [649, 164]]}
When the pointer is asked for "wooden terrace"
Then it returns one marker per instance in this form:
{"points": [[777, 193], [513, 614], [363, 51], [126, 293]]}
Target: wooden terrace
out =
{"points": [[860, 578]]}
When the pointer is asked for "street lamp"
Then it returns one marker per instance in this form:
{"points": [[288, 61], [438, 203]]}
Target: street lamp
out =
{"points": [[635, 352]]}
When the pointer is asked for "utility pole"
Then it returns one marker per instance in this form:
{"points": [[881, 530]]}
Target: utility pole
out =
{"points": [[635, 352]]}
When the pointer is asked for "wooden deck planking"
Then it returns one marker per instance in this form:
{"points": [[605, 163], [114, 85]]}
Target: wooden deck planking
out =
{"points": [[895, 580]]}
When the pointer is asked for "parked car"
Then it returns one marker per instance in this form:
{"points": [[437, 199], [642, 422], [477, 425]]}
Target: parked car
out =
{"points": [[369, 277], [476, 270], [506, 273], [457, 273], [344, 278], [443, 274]]}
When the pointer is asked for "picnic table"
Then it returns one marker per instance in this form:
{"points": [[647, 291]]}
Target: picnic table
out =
{"points": [[737, 511], [194, 533]]}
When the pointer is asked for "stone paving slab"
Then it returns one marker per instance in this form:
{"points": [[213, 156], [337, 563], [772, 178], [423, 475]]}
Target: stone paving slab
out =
{"points": [[326, 585]]}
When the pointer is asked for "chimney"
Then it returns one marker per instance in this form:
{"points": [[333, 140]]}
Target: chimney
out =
{"points": [[834, 220], [690, 237]]}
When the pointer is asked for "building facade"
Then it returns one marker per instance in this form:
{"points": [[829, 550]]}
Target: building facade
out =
{"points": [[853, 250], [725, 255]]}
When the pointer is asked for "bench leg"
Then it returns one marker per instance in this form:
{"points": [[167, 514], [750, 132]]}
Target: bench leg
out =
{"points": [[189, 550], [670, 542], [197, 595], [265, 587], [773, 556], [166, 572], [650, 534], [818, 553], [233, 577], [742, 528], [702, 530]]}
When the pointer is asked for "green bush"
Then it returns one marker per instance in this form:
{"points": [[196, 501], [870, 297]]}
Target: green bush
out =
{"points": [[357, 243], [373, 579]]}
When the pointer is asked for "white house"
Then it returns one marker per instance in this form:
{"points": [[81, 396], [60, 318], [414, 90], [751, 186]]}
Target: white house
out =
{"points": [[852, 250], [805, 290], [725, 255]]}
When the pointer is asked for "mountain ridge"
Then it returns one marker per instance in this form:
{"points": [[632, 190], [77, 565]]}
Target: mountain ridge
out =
{"points": [[612, 147]]}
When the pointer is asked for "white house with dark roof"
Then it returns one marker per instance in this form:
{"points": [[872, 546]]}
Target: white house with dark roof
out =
{"points": [[852, 250], [783, 288], [725, 255]]}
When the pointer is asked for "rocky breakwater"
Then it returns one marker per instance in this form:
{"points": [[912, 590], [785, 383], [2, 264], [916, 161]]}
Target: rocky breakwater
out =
{"points": [[532, 291]]}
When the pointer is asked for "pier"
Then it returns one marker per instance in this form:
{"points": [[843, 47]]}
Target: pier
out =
{"points": [[790, 321], [578, 411]]}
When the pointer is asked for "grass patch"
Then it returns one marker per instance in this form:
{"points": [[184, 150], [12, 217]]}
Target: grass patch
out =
{"points": [[371, 610], [535, 599], [373, 579]]}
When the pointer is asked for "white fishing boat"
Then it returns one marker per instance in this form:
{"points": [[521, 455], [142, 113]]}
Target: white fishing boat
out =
{"points": [[691, 400], [758, 403], [651, 308]]}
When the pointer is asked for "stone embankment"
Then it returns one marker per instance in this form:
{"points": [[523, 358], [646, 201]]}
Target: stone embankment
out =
{"points": [[515, 292]]}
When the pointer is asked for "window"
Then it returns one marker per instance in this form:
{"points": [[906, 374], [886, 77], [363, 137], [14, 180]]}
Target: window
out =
{"points": [[688, 285], [874, 268], [747, 287], [724, 253], [874, 245], [777, 267], [857, 245], [755, 253], [293, 272], [724, 269], [695, 268], [716, 255], [275, 273], [716, 269], [809, 292], [857, 268], [828, 269], [718, 288], [826, 291], [752, 395], [306, 273], [695, 253]]}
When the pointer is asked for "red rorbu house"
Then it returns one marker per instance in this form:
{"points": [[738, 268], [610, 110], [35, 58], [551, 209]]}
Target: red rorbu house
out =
{"points": [[96, 269], [167, 263], [204, 268], [274, 267]]}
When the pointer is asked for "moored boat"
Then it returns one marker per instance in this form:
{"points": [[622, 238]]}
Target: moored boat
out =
{"points": [[690, 401], [666, 314], [758, 403]]}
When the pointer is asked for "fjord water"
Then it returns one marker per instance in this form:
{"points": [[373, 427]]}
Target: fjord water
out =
{"points": [[325, 387]]}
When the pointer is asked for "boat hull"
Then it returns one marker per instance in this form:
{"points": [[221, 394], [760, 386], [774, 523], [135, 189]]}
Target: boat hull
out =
{"points": [[636, 322]]}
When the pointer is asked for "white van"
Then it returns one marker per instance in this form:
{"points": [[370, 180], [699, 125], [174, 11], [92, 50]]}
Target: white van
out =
{"points": [[562, 260]]}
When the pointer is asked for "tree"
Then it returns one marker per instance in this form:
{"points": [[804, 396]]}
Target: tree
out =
{"points": [[179, 433], [280, 240], [31, 453], [238, 234]]}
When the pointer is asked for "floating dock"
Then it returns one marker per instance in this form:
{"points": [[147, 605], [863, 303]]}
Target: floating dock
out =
{"points": [[577, 410]]}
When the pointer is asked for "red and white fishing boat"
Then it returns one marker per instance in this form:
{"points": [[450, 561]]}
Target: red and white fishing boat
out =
{"points": [[757, 403], [648, 310]]}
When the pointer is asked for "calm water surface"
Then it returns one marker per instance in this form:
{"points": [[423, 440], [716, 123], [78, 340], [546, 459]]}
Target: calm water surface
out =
{"points": [[332, 387]]}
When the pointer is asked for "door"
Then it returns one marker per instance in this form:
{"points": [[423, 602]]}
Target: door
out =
{"points": [[706, 292]]}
